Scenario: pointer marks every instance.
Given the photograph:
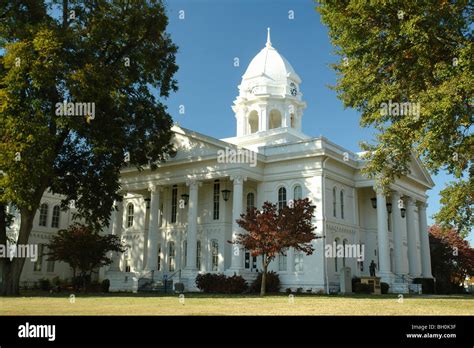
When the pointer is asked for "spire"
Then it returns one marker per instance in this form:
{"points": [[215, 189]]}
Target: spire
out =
{"points": [[269, 43]]}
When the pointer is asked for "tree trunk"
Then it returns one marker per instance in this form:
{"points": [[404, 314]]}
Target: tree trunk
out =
{"points": [[263, 286], [11, 270]]}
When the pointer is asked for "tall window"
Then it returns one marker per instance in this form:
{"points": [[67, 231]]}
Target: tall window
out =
{"points": [[171, 257], [216, 200], [282, 262], [159, 257], [174, 203], [56, 216], [281, 198], [214, 255], [297, 192], [198, 255], [334, 202], [299, 261], [39, 261], [344, 255], [336, 241], [130, 215], [250, 200], [185, 252], [342, 203], [49, 266], [43, 218]]}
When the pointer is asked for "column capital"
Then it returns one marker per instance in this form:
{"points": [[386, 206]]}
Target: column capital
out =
{"points": [[422, 205], [155, 188], [238, 179], [193, 183]]}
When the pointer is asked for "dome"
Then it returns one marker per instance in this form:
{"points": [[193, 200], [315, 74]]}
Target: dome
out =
{"points": [[270, 64]]}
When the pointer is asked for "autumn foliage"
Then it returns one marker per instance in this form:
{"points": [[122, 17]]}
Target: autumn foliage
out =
{"points": [[452, 259], [271, 231]]}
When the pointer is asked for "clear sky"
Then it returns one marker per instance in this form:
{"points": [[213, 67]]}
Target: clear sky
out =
{"points": [[215, 32]]}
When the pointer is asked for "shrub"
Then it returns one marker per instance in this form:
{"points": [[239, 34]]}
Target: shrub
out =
{"points": [[427, 285], [105, 285], [219, 283], [288, 291], [44, 284], [384, 287], [360, 288], [355, 280], [272, 283]]}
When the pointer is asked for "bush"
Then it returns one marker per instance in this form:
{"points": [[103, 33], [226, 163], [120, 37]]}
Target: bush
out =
{"points": [[384, 287], [219, 283], [272, 283], [360, 288], [44, 284], [355, 280], [105, 285], [427, 285]]}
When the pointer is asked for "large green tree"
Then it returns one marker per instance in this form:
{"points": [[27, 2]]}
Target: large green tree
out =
{"points": [[115, 54], [418, 52]]}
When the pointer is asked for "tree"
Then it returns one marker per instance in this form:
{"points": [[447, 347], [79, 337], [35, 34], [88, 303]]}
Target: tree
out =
{"points": [[417, 57], [84, 249], [113, 63], [452, 258], [272, 231]]}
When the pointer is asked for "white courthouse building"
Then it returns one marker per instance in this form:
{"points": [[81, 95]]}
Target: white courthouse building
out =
{"points": [[177, 220]]}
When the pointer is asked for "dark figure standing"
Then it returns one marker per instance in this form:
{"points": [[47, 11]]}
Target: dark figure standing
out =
{"points": [[372, 268]]}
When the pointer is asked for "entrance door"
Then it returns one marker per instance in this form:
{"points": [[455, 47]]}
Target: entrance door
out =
{"points": [[250, 262]]}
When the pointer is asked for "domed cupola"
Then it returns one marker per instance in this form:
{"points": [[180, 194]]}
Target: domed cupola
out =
{"points": [[269, 94]]}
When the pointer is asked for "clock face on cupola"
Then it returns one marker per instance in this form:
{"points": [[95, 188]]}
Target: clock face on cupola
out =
{"points": [[293, 89]]}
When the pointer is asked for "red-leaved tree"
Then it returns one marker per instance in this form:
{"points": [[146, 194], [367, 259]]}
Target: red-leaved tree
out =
{"points": [[271, 231], [452, 259]]}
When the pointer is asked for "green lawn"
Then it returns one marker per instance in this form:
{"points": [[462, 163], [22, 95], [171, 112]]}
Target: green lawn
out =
{"points": [[204, 304]]}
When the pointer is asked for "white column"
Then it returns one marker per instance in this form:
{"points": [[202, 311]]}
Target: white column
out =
{"points": [[191, 246], [397, 232], [263, 118], [153, 229], [117, 216], [424, 242], [411, 239], [382, 236], [237, 259]]}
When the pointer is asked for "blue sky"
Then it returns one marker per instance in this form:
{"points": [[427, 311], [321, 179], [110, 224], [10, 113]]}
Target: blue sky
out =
{"points": [[214, 32]]}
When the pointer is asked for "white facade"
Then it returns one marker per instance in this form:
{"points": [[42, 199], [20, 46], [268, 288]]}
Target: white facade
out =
{"points": [[177, 223]]}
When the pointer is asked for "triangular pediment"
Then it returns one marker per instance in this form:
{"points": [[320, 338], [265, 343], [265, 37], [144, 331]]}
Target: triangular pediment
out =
{"points": [[419, 173], [191, 145]]}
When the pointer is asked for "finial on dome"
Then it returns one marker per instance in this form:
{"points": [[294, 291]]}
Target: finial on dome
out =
{"points": [[269, 43]]}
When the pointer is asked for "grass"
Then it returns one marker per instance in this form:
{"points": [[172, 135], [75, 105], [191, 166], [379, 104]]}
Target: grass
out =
{"points": [[205, 304]]}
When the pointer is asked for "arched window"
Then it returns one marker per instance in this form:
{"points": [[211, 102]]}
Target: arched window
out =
{"points": [[43, 217], [171, 257], [274, 119], [297, 192], [341, 194], [336, 242], [334, 201], [250, 200], [281, 197], [56, 216], [214, 255], [130, 215], [253, 121]]}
